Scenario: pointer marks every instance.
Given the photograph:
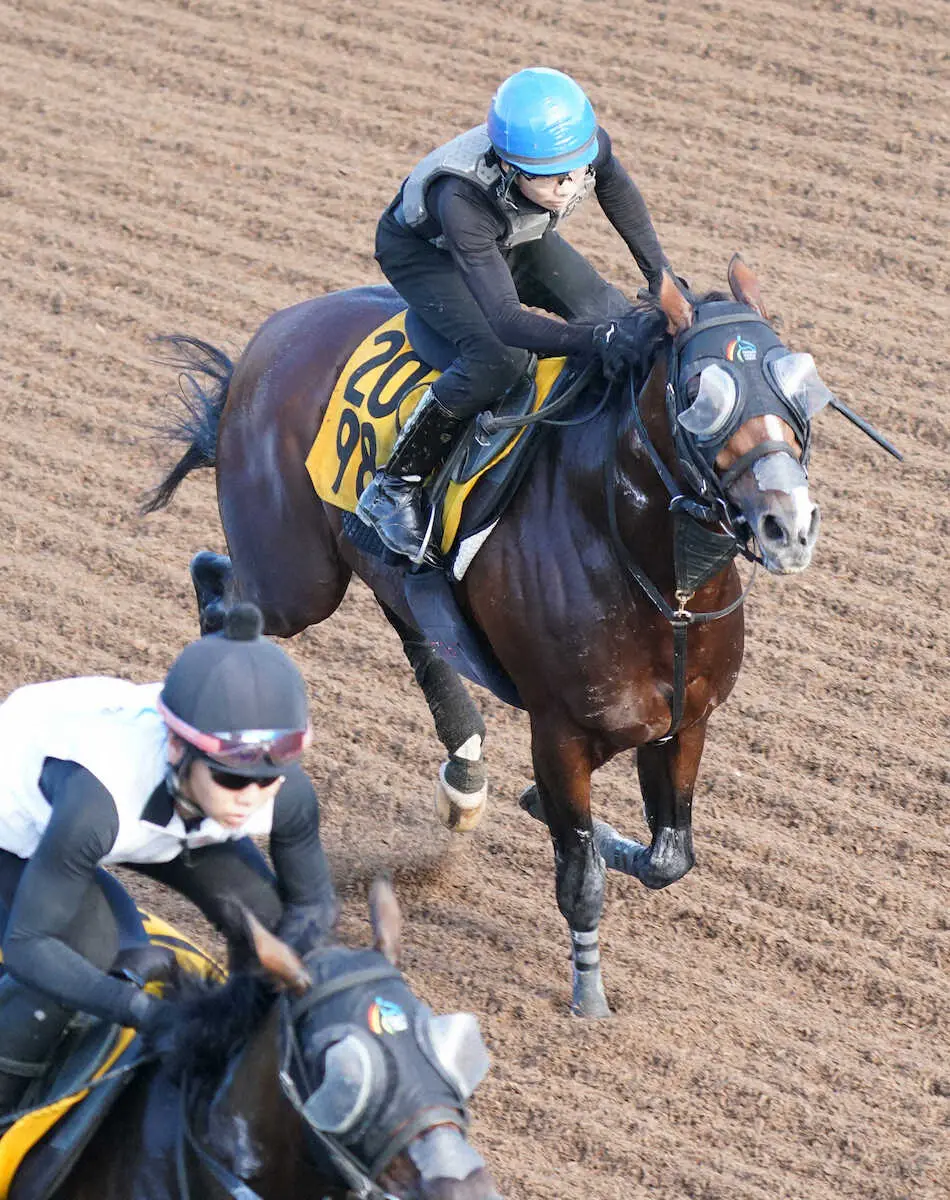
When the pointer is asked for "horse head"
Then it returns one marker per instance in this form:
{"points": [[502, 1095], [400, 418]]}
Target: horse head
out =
{"points": [[743, 405], [379, 1081]]}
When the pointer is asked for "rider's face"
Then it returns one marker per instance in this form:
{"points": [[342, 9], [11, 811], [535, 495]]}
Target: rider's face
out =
{"points": [[213, 793], [552, 192], [228, 805]]}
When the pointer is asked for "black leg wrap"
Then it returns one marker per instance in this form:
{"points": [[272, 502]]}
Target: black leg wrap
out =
{"points": [[465, 775], [453, 710]]}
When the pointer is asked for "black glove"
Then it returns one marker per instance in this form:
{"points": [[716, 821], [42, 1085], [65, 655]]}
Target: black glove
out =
{"points": [[617, 348], [305, 926], [156, 1021]]}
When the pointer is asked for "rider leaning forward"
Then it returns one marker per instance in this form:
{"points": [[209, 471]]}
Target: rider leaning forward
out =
{"points": [[472, 237], [168, 779]]}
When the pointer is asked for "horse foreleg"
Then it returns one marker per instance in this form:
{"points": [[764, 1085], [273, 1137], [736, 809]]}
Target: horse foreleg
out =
{"points": [[667, 773], [462, 787], [562, 798]]}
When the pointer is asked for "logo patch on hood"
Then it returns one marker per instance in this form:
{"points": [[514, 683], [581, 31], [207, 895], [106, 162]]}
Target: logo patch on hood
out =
{"points": [[741, 351], [386, 1017]]}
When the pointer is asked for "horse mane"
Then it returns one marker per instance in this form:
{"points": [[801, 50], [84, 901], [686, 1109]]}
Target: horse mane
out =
{"points": [[646, 322], [214, 1021]]}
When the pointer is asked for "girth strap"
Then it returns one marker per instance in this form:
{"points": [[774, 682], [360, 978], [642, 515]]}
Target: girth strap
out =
{"points": [[25, 1070]]}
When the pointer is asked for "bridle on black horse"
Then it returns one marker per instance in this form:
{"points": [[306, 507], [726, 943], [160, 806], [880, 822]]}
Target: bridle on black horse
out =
{"points": [[365, 1084]]}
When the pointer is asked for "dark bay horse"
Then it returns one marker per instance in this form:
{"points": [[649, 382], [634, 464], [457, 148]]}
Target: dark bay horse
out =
{"points": [[344, 1085], [577, 590]]}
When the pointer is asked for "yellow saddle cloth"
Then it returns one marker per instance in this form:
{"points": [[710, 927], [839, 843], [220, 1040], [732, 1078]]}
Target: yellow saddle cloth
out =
{"points": [[378, 388], [20, 1138]]}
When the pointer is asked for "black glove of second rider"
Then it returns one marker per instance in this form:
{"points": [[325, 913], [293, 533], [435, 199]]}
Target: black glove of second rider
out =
{"points": [[617, 348]]}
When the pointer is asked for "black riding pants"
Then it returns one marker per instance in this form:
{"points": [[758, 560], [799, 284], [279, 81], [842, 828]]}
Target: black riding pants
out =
{"points": [[548, 273]]}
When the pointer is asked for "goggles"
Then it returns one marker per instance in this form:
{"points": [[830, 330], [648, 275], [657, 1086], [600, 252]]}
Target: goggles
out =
{"points": [[561, 177], [244, 747]]}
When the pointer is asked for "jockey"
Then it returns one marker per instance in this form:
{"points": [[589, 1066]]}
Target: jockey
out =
{"points": [[166, 779], [471, 237]]}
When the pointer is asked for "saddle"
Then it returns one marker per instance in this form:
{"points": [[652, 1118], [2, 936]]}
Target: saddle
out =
{"points": [[90, 1070], [378, 388]]}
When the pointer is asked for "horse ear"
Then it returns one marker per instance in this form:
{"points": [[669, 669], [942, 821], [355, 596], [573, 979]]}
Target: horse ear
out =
{"points": [[745, 285], [276, 957], [386, 918]]}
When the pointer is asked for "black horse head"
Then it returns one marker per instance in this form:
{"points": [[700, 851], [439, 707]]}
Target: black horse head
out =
{"points": [[377, 1084]]}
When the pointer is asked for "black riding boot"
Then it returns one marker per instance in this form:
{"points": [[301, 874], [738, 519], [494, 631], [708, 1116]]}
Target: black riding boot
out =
{"points": [[392, 504], [30, 1027]]}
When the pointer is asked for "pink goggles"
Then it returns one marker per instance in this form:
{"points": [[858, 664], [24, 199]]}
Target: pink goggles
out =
{"points": [[244, 748]]}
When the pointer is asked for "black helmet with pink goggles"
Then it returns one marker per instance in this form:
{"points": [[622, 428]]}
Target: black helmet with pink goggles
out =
{"points": [[237, 699]]}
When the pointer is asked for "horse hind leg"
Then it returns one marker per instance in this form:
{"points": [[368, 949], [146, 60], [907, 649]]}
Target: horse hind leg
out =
{"points": [[462, 787], [213, 579]]}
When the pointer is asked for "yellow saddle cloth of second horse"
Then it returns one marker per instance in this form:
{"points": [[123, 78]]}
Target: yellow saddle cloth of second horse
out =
{"points": [[381, 384], [21, 1137]]}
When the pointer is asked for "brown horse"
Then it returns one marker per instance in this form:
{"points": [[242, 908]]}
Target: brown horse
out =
{"points": [[607, 591], [343, 1084]]}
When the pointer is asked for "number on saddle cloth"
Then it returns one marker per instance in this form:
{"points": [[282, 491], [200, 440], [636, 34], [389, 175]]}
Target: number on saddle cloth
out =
{"points": [[377, 390]]}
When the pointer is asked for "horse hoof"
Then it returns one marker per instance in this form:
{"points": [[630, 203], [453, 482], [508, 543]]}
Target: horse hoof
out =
{"points": [[591, 1006], [457, 810], [530, 801]]}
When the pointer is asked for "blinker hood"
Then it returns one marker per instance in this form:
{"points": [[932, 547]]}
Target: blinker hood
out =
{"points": [[739, 343], [382, 1067]]}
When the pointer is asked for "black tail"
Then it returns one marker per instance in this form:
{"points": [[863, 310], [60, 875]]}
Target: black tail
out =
{"points": [[197, 427]]}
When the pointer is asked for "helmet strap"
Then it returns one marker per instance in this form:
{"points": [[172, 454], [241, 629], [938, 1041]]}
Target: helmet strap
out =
{"points": [[175, 774], [505, 183]]}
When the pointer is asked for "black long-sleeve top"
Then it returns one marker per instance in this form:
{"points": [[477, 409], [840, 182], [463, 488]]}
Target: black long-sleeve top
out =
{"points": [[473, 229], [82, 830]]}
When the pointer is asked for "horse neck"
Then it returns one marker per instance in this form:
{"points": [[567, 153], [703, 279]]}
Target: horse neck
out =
{"points": [[609, 455], [251, 1125]]}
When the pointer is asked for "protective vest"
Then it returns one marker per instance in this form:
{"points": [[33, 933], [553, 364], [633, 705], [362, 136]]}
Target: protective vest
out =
{"points": [[465, 157], [113, 729]]}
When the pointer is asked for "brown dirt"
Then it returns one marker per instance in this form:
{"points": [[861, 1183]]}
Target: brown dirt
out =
{"points": [[781, 1015]]}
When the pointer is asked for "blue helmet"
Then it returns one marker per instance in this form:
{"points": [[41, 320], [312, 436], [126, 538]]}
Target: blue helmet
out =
{"points": [[541, 122]]}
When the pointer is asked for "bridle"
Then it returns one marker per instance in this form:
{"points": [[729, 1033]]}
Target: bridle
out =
{"points": [[354, 1174], [708, 529]]}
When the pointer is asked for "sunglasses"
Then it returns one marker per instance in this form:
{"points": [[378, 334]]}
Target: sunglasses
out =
{"points": [[236, 783], [246, 748]]}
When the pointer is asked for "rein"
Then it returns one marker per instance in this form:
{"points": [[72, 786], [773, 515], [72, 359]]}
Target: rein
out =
{"points": [[488, 424]]}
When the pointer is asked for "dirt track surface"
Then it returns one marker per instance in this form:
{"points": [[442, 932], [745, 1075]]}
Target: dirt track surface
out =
{"points": [[781, 1026]]}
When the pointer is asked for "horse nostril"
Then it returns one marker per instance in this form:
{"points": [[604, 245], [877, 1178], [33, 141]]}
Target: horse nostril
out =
{"points": [[773, 530]]}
